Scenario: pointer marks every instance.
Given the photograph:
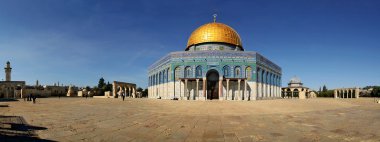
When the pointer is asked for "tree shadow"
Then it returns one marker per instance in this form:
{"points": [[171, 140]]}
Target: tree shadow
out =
{"points": [[15, 128]]}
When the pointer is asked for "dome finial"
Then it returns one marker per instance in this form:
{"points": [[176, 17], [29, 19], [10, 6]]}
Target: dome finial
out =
{"points": [[214, 15]]}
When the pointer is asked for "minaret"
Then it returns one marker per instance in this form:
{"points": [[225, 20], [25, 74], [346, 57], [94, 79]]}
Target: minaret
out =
{"points": [[8, 71]]}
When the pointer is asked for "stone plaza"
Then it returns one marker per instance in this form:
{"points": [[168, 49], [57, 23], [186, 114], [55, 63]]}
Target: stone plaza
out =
{"points": [[80, 119]]}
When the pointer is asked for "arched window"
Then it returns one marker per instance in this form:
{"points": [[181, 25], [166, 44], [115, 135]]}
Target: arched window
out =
{"points": [[226, 71], [248, 73], [177, 73], [198, 71], [167, 75], [237, 72], [187, 72]]}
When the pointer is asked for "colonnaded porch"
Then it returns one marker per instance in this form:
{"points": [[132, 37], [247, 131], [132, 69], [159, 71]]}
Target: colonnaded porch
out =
{"points": [[222, 89], [346, 93]]}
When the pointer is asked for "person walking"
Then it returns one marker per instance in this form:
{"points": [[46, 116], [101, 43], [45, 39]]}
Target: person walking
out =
{"points": [[123, 95], [34, 99], [30, 97]]}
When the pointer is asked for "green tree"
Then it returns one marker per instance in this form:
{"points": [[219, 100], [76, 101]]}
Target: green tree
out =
{"points": [[376, 91], [107, 87], [145, 93], [101, 83], [328, 93], [139, 89], [88, 88], [324, 88]]}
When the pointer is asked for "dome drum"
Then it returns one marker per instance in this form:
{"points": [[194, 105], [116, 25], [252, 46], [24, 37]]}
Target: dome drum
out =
{"points": [[214, 46]]}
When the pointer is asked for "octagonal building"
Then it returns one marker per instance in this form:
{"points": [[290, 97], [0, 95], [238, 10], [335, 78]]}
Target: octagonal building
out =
{"points": [[214, 66]]}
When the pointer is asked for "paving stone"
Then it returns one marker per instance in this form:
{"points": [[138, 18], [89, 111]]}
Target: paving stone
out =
{"points": [[78, 119]]}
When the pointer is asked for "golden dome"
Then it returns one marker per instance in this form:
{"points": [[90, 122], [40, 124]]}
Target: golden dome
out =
{"points": [[214, 32]]}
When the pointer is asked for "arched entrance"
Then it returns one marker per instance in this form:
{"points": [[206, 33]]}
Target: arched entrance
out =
{"points": [[212, 84]]}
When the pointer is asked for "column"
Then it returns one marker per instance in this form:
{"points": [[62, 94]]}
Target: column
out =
{"points": [[351, 92], [166, 90], [180, 89], [134, 92], [228, 88], [185, 91], [260, 90], [197, 94], [125, 91], [357, 92], [275, 91], [254, 91], [246, 95], [174, 88], [129, 91], [220, 88], [239, 91], [268, 90], [344, 95], [271, 91], [113, 89], [264, 90], [22, 94], [205, 88], [335, 94]]}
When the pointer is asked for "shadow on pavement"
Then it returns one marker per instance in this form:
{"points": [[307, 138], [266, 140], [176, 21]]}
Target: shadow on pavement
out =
{"points": [[7, 100], [15, 128]]}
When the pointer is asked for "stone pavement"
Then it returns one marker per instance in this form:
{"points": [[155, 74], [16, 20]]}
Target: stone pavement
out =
{"points": [[80, 119]]}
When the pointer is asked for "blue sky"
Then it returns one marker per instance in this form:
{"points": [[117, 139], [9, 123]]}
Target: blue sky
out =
{"points": [[332, 42]]}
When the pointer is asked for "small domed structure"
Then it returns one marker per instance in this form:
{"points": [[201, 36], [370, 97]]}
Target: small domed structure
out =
{"points": [[296, 90], [295, 82]]}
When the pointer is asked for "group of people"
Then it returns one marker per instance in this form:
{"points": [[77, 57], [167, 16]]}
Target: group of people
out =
{"points": [[31, 97]]}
